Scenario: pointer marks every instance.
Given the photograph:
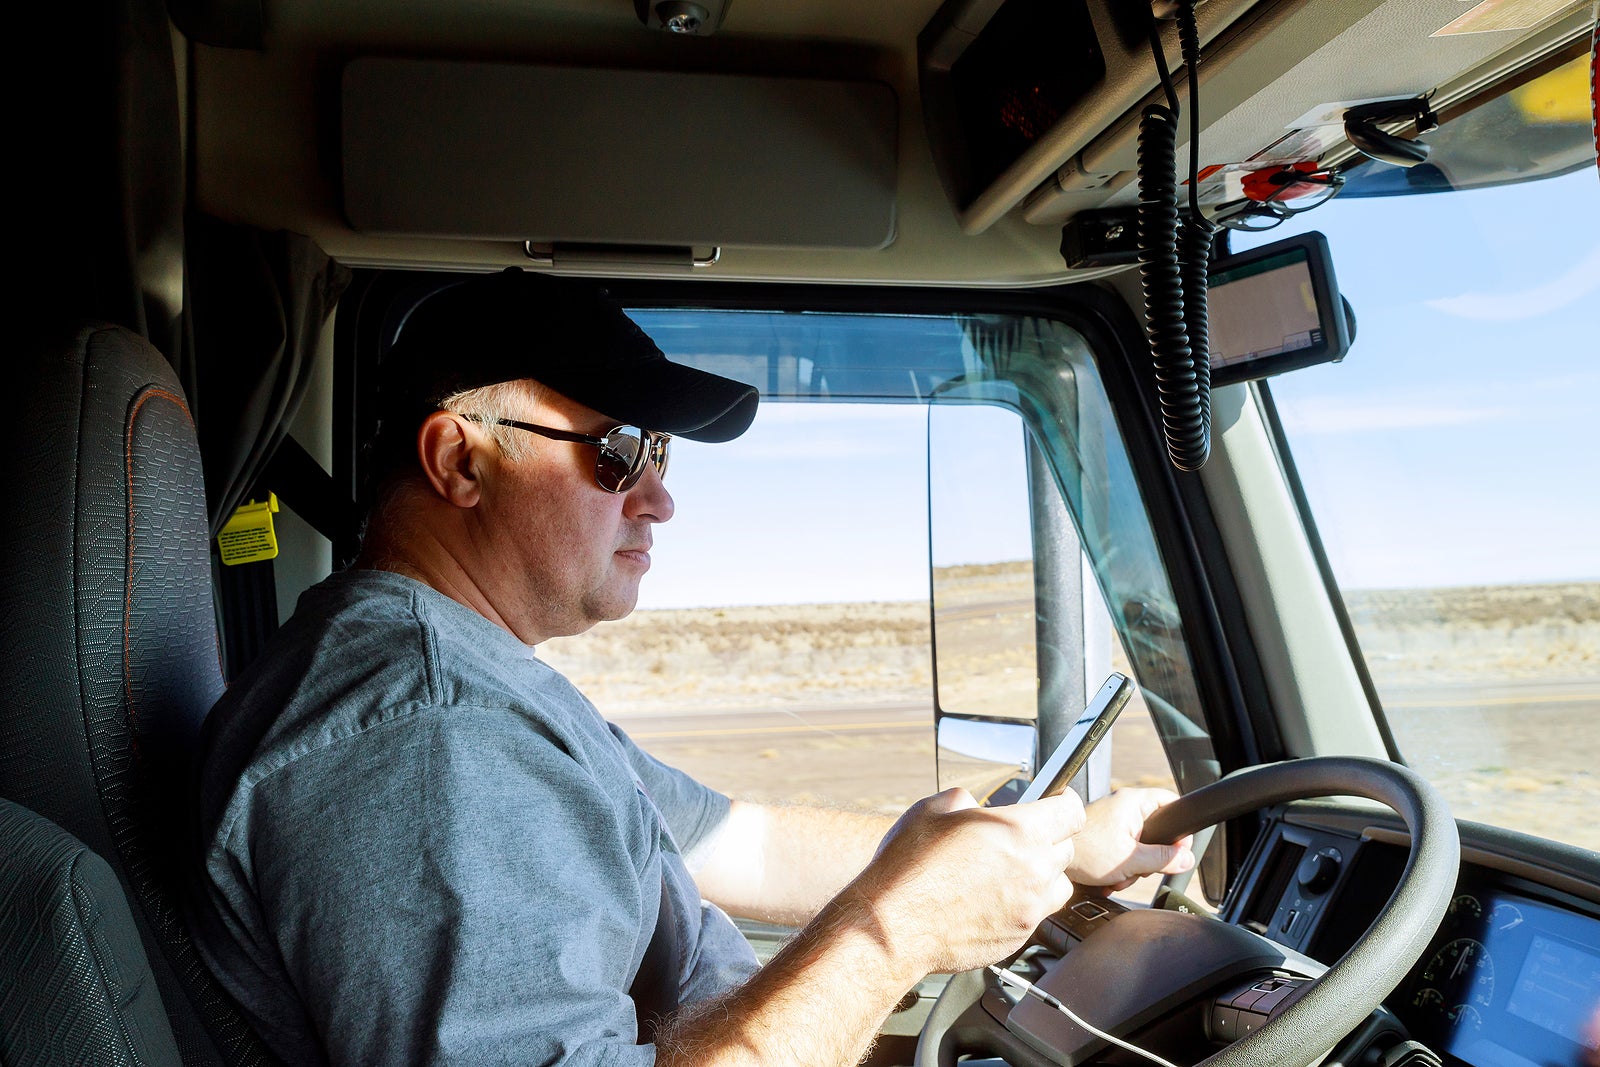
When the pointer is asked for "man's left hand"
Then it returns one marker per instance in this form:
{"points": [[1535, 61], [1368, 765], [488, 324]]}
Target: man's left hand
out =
{"points": [[1108, 851]]}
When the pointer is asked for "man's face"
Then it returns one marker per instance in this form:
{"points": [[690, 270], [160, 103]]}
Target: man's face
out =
{"points": [[566, 553]]}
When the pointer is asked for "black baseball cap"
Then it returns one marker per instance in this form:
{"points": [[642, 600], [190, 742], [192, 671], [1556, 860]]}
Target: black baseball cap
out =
{"points": [[565, 333]]}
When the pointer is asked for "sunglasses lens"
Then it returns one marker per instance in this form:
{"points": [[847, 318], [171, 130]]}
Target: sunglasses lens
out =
{"points": [[620, 460], [660, 455]]}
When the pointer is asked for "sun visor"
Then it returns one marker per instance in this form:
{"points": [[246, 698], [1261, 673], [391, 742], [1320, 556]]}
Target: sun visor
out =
{"points": [[562, 154]]}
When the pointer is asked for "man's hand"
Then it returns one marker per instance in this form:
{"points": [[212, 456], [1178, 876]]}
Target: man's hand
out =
{"points": [[952, 887], [956, 886], [1108, 851]]}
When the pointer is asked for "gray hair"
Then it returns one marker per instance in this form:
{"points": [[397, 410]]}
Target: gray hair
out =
{"points": [[489, 402], [499, 401]]}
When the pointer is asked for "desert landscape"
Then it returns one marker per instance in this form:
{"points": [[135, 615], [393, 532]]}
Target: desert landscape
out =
{"points": [[1491, 692]]}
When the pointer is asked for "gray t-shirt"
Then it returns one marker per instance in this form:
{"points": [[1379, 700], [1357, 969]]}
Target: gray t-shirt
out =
{"points": [[423, 845]]}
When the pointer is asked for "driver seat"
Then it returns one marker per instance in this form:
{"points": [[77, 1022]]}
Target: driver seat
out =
{"points": [[110, 665]]}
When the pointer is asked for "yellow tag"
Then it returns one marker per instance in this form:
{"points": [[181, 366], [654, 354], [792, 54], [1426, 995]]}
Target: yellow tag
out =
{"points": [[1562, 95], [248, 536]]}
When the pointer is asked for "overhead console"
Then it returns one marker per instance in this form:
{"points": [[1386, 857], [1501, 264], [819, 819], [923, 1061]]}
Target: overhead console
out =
{"points": [[997, 77], [1053, 132]]}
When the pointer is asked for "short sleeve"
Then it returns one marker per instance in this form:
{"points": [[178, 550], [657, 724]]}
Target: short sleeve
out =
{"points": [[453, 887], [693, 812]]}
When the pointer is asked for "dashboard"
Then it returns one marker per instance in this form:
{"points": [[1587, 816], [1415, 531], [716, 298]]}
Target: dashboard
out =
{"points": [[1512, 976]]}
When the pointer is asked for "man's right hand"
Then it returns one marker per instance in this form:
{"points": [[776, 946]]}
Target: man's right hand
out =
{"points": [[956, 886], [952, 887]]}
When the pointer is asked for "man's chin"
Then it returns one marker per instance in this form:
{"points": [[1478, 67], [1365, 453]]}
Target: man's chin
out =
{"points": [[617, 604]]}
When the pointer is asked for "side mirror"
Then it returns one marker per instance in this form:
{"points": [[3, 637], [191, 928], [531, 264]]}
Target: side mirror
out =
{"points": [[994, 761]]}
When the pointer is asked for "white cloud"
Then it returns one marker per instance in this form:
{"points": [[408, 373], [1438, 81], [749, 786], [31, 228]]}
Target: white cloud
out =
{"points": [[1577, 283]]}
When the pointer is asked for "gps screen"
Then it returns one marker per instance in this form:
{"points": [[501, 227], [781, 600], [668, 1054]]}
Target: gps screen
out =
{"points": [[1264, 308]]}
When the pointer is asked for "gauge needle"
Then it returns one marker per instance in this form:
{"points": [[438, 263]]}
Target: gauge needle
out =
{"points": [[1461, 963]]}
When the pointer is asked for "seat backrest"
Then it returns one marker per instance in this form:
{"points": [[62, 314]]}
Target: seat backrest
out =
{"points": [[109, 631], [75, 984]]}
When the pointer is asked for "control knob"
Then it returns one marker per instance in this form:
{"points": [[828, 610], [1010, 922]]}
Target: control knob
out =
{"points": [[1320, 870]]}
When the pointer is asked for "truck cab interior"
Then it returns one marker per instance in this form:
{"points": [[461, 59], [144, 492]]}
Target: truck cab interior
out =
{"points": [[936, 209]]}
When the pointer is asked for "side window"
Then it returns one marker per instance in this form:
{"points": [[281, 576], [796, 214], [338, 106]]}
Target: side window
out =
{"points": [[781, 650]]}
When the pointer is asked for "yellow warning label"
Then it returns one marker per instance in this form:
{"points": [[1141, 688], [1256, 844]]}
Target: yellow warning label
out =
{"points": [[248, 536]]}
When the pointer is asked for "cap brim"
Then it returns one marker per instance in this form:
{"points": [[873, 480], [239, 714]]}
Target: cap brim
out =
{"points": [[672, 398]]}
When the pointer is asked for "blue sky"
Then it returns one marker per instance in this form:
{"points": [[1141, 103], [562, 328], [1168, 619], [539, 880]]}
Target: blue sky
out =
{"points": [[1458, 443], [778, 515]]}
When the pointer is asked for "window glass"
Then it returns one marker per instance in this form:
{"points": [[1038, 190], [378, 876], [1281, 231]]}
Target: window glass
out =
{"points": [[1449, 465], [782, 650]]}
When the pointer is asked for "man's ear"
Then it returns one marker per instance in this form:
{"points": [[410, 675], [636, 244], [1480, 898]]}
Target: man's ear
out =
{"points": [[451, 454]]}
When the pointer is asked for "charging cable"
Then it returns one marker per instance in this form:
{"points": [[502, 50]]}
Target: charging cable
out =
{"points": [[1016, 981]]}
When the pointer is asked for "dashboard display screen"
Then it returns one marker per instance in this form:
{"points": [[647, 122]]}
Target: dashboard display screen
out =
{"points": [[1558, 989], [1508, 982]]}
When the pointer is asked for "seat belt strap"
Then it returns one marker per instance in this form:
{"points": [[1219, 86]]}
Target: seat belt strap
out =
{"points": [[311, 491]]}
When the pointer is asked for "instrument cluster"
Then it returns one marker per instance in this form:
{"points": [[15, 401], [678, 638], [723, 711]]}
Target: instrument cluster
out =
{"points": [[1509, 979]]}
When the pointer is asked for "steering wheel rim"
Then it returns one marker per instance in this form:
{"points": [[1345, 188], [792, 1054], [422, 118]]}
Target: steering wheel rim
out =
{"points": [[1355, 985]]}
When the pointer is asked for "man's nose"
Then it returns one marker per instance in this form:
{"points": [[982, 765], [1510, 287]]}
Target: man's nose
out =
{"points": [[648, 500]]}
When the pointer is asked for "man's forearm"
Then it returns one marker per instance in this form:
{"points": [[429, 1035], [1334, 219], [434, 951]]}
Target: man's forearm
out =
{"points": [[951, 887], [781, 864], [819, 1003]]}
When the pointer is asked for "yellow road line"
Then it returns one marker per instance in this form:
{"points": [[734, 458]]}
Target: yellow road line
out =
{"points": [[781, 730]]}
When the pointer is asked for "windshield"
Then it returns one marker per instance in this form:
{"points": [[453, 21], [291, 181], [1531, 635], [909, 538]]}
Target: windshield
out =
{"points": [[1537, 127], [1449, 463]]}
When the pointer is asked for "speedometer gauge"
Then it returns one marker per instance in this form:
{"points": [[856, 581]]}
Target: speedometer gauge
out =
{"points": [[1463, 970]]}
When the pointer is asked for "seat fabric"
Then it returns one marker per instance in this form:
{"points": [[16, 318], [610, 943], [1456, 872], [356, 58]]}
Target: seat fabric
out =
{"points": [[108, 623], [75, 985]]}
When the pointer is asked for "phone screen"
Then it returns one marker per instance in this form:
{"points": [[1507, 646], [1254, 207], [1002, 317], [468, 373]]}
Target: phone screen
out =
{"points": [[1073, 752]]}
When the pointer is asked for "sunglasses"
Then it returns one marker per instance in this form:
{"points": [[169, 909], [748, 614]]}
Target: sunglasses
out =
{"points": [[624, 450]]}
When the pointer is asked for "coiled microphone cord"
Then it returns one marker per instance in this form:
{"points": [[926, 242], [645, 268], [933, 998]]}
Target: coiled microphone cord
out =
{"points": [[1173, 265]]}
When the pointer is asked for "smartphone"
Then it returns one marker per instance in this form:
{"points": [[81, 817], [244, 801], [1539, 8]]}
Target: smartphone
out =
{"points": [[1073, 752]]}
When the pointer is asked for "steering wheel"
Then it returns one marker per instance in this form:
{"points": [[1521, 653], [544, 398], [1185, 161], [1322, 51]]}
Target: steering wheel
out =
{"points": [[1187, 959]]}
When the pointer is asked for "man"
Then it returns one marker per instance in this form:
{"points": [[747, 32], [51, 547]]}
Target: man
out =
{"points": [[422, 845]]}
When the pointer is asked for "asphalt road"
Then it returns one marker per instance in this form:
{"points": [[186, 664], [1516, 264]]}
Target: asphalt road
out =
{"points": [[882, 757]]}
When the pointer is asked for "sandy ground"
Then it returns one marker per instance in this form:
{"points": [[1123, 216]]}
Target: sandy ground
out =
{"points": [[1493, 693]]}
